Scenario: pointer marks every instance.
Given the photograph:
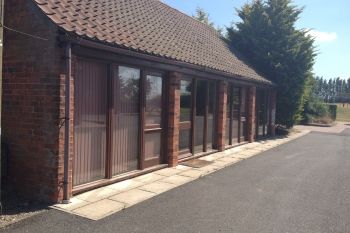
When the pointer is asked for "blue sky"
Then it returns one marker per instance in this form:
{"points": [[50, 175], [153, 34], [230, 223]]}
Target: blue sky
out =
{"points": [[329, 21]]}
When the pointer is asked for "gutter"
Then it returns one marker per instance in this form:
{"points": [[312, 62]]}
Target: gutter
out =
{"points": [[68, 57]]}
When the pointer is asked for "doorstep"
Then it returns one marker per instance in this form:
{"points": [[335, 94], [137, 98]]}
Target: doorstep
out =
{"points": [[102, 202]]}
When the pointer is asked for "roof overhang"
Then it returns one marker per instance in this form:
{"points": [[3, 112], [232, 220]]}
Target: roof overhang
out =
{"points": [[88, 43]]}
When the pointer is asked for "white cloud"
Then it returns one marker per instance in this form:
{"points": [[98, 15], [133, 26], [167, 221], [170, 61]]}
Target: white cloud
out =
{"points": [[323, 36]]}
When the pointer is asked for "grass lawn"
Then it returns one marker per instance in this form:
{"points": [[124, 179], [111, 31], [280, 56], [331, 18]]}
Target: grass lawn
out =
{"points": [[343, 113]]}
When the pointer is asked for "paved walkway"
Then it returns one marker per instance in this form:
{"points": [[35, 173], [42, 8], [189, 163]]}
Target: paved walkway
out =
{"points": [[337, 128], [102, 202], [299, 187]]}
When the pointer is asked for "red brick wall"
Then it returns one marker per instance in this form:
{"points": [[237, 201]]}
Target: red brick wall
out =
{"points": [[173, 118], [221, 115], [33, 103], [251, 119]]}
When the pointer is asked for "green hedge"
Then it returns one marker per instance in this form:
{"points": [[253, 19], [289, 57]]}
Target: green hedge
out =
{"points": [[332, 109]]}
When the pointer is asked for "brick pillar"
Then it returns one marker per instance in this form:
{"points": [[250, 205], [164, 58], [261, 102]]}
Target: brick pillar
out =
{"points": [[272, 109], [251, 119], [173, 118], [221, 115]]}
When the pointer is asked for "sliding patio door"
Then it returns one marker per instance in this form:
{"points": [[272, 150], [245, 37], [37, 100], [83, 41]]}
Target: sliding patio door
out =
{"points": [[186, 111], [236, 126], [200, 116], [204, 119], [118, 123], [261, 113], [243, 115], [197, 116]]}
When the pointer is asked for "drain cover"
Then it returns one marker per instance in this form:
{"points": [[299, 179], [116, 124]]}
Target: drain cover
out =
{"points": [[196, 163]]}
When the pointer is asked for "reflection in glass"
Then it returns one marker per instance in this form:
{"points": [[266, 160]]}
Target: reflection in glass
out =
{"points": [[211, 114], [243, 131], [235, 114], [228, 115], [261, 112], [153, 110], [201, 94], [125, 130], [185, 100]]}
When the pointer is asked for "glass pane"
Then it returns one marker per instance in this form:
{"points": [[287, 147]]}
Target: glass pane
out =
{"points": [[152, 145], [211, 114], [235, 114], [228, 114], [126, 120], [185, 100], [243, 114], [153, 90], [201, 95], [261, 112], [184, 139], [267, 113], [90, 121]]}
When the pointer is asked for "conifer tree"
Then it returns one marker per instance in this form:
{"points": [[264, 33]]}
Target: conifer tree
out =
{"points": [[269, 40]]}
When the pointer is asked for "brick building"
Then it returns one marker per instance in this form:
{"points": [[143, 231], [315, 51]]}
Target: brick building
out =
{"points": [[96, 92]]}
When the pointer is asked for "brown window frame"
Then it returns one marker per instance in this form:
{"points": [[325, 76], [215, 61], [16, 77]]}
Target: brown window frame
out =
{"points": [[190, 125], [112, 70], [230, 88]]}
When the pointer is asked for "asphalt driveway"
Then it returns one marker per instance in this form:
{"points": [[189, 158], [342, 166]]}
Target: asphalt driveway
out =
{"points": [[302, 186]]}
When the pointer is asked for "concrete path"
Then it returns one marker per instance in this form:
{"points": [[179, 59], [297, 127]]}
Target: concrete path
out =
{"points": [[337, 128], [102, 202], [301, 186]]}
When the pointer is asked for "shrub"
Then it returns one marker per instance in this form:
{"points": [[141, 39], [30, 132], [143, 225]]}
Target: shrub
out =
{"points": [[332, 108], [316, 111]]}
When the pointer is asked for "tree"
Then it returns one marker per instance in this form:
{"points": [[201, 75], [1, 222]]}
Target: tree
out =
{"points": [[203, 16], [270, 42]]}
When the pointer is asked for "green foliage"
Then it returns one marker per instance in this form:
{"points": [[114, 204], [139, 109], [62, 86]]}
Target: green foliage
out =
{"points": [[314, 109], [332, 109], [203, 16], [270, 42], [335, 90]]}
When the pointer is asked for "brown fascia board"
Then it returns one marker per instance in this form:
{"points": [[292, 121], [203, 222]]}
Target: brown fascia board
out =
{"points": [[90, 43]]}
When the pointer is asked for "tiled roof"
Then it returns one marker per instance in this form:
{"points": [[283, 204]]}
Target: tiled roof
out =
{"points": [[147, 26]]}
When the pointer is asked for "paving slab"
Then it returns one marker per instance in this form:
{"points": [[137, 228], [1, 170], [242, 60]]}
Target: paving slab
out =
{"points": [[148, 178], [229, 160], [177, 180], [209, 168], [100, 209], [220, 164], [168, 172], [183, 167], [74, 204], [97, 194], [132, 197], [193, 173], [125, 185], [209, 158], [157, 187]]}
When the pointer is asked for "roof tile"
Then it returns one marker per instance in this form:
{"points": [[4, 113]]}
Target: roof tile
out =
{"points": [[149, 26]]}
